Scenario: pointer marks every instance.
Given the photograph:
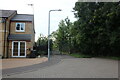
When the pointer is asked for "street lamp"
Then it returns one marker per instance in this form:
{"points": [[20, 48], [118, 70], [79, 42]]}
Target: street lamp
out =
{"points": [[32, 5], [49, 31]]}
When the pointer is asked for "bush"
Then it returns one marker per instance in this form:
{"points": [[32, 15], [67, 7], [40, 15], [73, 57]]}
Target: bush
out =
{"points": [[32, 54]]}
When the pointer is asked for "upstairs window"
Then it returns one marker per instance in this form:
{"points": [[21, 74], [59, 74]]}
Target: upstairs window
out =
{"points": [[20, 27]]}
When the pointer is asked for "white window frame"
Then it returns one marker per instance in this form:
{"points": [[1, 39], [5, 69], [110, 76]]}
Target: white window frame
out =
{"points": [[20, 27], [18, 48]]}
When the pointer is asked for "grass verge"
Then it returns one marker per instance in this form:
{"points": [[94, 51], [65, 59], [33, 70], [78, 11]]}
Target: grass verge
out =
{"points": [[78, 55]]}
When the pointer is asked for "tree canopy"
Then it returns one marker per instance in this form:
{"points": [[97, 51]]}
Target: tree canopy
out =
{"points": [[98, 27], [96, 32]]}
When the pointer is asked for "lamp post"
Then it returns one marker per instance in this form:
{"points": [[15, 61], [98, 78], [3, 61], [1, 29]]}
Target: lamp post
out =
{"points": [[32, 5], [49, 31]]}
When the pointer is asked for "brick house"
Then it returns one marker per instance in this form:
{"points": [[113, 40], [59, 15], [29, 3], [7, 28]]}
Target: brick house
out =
{"points": [[17, 34]]}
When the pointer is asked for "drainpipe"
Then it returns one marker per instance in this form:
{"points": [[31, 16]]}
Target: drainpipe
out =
{"points": [[8, 41], [4, 36]]}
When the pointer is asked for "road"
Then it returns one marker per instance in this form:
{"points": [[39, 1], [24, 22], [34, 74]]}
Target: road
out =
{"points": [[63, 66]]}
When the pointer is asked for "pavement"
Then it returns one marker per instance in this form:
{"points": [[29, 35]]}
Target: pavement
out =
{"points": [[29, 68], [18, 62], [63, 66]]}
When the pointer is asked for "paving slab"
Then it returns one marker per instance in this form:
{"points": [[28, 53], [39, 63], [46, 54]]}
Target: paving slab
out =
{"points": [[21, 62]]}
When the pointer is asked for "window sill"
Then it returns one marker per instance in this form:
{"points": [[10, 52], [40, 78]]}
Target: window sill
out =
{"points": [[19, 31]]}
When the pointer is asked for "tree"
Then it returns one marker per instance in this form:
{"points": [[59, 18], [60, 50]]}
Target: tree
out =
{"points": [[42, 45], [53, 37], [63, 35], [98, 28], [96, 32]]}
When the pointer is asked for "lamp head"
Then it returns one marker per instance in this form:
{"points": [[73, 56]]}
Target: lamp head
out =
{"points": [[59, 9]]}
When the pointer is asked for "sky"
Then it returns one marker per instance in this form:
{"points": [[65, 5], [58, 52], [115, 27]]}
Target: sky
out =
{"points": [[40, 11]]}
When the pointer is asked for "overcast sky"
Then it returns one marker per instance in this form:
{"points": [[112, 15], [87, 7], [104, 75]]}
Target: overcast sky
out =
{"points": [[41, 9]]}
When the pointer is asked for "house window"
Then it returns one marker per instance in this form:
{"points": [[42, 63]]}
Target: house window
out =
{"points": [[18, 49], [20, 27]]}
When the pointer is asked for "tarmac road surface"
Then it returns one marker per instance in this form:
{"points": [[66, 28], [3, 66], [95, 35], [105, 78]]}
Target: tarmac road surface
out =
{"points": [[63, 66]]}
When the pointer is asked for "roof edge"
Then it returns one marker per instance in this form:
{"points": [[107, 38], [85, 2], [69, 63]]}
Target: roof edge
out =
{"points": [[14, 11], [26, 14]]}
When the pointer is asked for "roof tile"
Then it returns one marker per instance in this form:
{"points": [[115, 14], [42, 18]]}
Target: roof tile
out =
{"points": [[20, 37], [6, 13], [22, 17]]}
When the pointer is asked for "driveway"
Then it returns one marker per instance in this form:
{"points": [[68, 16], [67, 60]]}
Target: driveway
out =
{"points": [[68, 67]]}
